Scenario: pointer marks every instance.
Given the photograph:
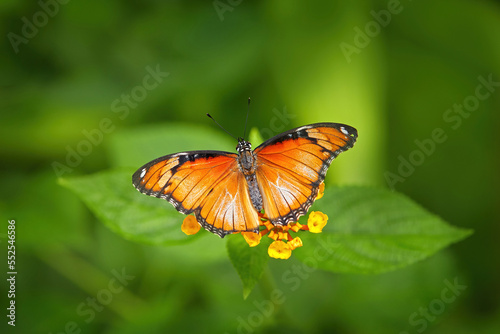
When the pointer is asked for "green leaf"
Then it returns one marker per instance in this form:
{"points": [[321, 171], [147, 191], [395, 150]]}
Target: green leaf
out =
{"points": [[255, 137], [372, 231], [249, 262], [112, 198]]}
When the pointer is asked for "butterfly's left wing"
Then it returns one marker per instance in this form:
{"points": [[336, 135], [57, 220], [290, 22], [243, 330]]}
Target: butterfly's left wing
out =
{"points": [[292, 165], [206, 183]]}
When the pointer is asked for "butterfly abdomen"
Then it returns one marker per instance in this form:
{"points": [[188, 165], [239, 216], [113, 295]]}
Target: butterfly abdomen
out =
{"points": [[253, 189]]}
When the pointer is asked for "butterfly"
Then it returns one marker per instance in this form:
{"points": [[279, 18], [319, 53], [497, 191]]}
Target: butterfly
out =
{"points": [[226, 191]]}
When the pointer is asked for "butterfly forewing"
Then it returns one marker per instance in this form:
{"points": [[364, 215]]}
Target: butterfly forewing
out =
{"points": [[206, 183], [292, 165]]}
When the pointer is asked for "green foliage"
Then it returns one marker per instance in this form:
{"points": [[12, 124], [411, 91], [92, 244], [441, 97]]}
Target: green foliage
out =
{"points": [[370, 230], [373, 230], [249, 262], [112, 198], [255, 137]]}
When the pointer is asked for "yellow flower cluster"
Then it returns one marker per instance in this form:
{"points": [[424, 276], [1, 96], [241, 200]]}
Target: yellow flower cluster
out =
{"points": [[284, 243]]}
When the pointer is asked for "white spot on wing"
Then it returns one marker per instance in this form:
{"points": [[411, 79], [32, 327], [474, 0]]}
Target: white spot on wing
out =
{"points": [[143, 172], [344, 131]]}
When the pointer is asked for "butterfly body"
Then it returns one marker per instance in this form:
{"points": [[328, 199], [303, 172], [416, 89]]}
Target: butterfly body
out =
{"points": [[247, 162], [226, 191]]}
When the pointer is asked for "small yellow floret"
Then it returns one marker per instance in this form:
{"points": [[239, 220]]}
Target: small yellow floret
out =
{"points": [[190, 226], [252, 238], [273, 234], [316, 221], [321, 190], [279, 250], [295, 227], [295, 243]]}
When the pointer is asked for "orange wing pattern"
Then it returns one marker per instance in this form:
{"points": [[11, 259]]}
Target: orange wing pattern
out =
{"points": [[292, 165], [207, 183]]}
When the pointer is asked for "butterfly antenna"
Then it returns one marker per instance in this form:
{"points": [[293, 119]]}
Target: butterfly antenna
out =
{"points": [[246, 121], [220, 126]]}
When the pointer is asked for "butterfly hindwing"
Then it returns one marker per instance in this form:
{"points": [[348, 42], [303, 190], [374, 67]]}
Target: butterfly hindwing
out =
{"points": [[292, 165], [206, 183]]}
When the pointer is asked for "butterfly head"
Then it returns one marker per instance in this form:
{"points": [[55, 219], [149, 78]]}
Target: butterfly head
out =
{"points": [[243, 145]]}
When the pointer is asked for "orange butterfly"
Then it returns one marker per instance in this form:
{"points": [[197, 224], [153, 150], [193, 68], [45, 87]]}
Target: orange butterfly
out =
{"points": [[227, 190]]}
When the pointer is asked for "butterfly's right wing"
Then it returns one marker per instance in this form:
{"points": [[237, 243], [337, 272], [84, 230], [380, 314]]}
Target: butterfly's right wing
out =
{"points": [[293, 164], [207, 183]]}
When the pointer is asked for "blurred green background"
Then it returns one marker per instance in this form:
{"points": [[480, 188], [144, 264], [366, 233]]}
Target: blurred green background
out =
{"points": [[396, 71]]}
